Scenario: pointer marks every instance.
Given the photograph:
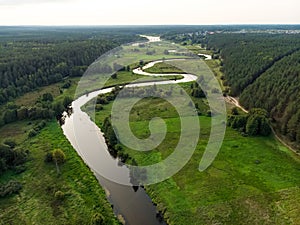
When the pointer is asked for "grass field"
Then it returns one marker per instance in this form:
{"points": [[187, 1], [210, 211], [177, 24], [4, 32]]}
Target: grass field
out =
{"points": [[214, 65], [129, 55], [196, 49], [36, 203], [29, 99], [124, 77], [254, 180], [163, 68]]}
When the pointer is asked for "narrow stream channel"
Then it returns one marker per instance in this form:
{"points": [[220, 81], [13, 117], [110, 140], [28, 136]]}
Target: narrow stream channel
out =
{"points": [[132, 204]]}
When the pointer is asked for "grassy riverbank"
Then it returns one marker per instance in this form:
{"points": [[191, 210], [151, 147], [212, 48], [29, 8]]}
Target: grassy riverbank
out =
{"points": [[163, 67], [36, 203], [253, 180]]}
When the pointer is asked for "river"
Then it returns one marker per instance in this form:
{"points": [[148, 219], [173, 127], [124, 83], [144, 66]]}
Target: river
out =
{"points": [[132, 205]]}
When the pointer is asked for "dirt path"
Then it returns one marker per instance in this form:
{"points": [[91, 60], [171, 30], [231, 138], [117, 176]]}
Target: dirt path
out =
{"points": [[235, 102], [284, 143]]}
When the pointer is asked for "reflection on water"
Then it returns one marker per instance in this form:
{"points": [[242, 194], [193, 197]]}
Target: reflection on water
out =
{"points": [[132, 203]]}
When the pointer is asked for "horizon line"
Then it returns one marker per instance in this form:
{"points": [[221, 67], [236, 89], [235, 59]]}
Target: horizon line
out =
{"points": [[126, 25]]}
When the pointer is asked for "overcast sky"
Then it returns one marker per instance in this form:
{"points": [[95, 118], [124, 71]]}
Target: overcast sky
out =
{"points": [[139, 12]]}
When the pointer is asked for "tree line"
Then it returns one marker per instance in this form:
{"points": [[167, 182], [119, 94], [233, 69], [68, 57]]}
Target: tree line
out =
{"points": [[246, 56], [263, 69], [25, 66], [277, 91], [256, 123], [44, 108], [12, 157], [31, 58]]}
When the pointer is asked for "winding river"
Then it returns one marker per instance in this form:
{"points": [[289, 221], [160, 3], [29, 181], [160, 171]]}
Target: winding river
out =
{"points": [[132, 205]]}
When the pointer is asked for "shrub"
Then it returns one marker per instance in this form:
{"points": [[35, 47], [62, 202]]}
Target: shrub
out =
{"points": [[238, 122], [198, 93], [66, 85], [19, 169], [20, 157], [32, 133], [11, 143], [58, 107], [47, 97], [235, 111], [40, 125], [67, 101], [1, 121], [12, 187], [3, 166], [59, 195], [10, 115], [110, 98], [99, 107], [102, 101], [7, 154], [97, 219], [209, 113], [58, 156], [22, 113], [48, 157], [255, 123], [11, 158]]}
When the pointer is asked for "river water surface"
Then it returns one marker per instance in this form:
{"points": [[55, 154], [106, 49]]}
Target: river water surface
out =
{"points": [[132, 204]]}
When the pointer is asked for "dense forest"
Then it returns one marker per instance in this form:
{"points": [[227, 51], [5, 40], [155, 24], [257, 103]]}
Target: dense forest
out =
{"points": [[277, 90], [31, 58], [28, 64], [264, 70], [261, 68], [246, 56], [56, 187], [25, 66]]}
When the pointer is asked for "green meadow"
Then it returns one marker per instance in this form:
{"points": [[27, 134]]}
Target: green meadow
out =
{"points": [[253, 180], [37, 202]]}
